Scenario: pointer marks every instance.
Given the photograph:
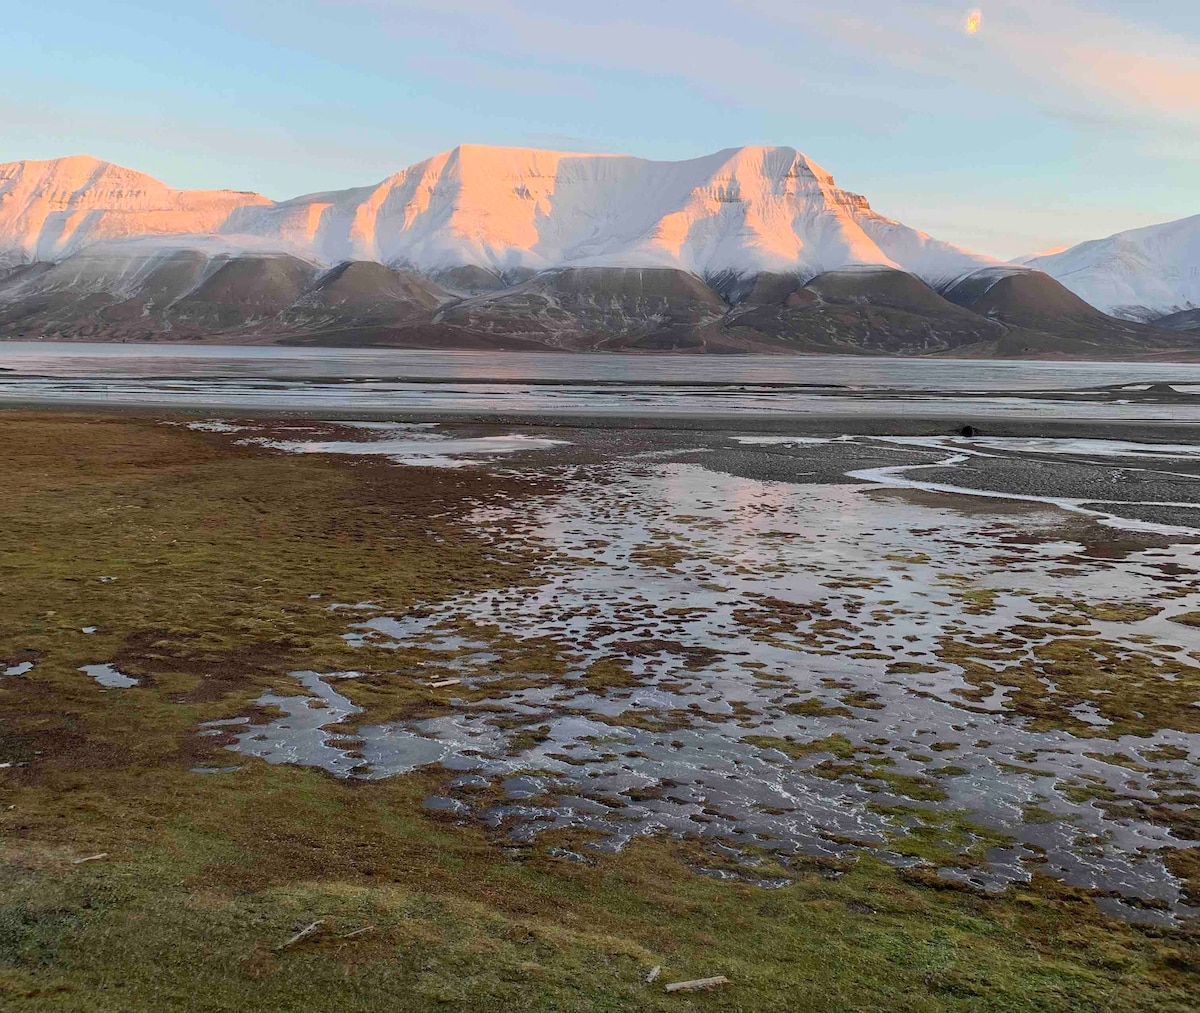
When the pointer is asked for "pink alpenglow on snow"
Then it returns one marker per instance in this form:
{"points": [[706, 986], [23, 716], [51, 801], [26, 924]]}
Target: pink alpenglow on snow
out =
{"points": [[740, 212], [51, 209]]}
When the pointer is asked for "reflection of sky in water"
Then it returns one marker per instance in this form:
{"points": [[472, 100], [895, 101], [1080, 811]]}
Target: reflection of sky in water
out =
{"points": [[109, 677], [777, 594]]}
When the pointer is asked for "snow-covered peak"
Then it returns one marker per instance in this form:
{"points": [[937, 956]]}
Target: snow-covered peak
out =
{"points": [[49, 209], [739, 211], [1141, 274]]}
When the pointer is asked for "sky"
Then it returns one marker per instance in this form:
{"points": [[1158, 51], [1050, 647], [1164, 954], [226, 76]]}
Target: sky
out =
{"points": [[1052, 122]]}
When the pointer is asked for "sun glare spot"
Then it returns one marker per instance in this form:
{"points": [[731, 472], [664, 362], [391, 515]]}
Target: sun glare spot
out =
{"points": [[974, 20]]}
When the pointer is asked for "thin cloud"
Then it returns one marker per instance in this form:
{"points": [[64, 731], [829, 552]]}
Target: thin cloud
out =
{"points": [[766, 50], [1055, 54]]}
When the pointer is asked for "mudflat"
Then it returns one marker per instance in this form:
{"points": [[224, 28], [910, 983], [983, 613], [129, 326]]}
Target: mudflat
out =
{"points": [[419, 713]]}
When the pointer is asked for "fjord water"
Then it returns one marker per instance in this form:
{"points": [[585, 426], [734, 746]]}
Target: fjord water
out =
{"points": [[160, 360], [265, 377]]}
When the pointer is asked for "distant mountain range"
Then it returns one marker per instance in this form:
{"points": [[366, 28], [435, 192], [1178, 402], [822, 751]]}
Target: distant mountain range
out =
{"points": [[749, 249]]}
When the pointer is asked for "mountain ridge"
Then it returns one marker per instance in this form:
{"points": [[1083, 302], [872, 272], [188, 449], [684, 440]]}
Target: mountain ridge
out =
{"points": [[55, 207], [746, 249], [739, 210]]}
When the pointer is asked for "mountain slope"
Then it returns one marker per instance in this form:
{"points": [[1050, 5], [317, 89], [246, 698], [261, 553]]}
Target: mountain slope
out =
{"points": [[1142, 274], [1032, 302], [500, 210], [150, 294], [1186, 320], [859, 309], [742, 210], [51, 209], [595, 307]]}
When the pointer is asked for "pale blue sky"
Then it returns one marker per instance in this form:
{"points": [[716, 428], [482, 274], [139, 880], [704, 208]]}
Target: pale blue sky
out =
{"points": [[1061, 120]]}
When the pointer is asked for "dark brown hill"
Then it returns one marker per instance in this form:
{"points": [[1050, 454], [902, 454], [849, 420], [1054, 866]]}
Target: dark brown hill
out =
{"points": [[879, 310], [595, 307], [141, 292], [1187, 320]]}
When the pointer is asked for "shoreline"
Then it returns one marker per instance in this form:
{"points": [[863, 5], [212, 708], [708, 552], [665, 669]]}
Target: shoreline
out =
{"points": [[1162, 431], [1166, 356]]}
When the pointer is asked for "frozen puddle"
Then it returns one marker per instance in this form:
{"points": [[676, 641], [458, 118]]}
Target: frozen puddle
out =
{"points": [[412, 443], [384, 427], [421, 447], [782, 441], [811, 669], [23, 668], [109, 677], [301, 736], [1069, 447], [216, 426], [430, 450]]}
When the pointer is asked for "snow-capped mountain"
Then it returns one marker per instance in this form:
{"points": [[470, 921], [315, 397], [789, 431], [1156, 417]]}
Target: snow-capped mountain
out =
{"points": [[748, 249], [1142, 274], [51, 209], [508, 211]]}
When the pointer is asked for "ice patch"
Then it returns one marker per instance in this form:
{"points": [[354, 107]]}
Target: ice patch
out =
{"points": [[432, 450], [108, 676], [1082, 447], [299, 736], [895, 476], [216, 426], [780, 440], [383, 426]]}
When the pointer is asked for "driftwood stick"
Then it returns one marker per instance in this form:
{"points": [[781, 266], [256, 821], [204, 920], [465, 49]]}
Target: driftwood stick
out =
{"points": [[304, 933], [698, 983]]}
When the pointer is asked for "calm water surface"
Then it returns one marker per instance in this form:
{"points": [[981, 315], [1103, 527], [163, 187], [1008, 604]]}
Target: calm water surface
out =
{"points": [[229, 377]]}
